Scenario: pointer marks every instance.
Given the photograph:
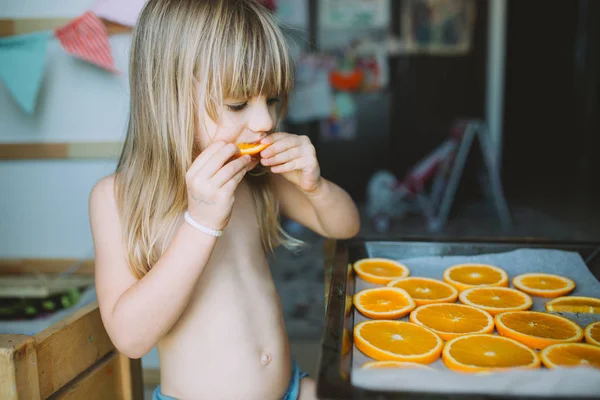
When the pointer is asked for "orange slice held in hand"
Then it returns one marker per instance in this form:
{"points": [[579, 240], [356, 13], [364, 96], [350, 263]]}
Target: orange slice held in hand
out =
{"points": [[251, 148], [383, 303], [484, 352], [426, 290], [395, 364], [453, 320], [543, 285], [571, 355], [496, 299], [574, 304], [380, 270], [592, 333], [537, 330], [465, 276], [385, 340]]}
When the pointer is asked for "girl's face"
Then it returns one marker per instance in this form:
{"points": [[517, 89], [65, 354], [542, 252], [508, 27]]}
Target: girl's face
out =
{"points": [[239, 121]]}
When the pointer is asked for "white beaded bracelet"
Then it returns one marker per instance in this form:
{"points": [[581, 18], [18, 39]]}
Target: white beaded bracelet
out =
{"points": [[201, 228]]}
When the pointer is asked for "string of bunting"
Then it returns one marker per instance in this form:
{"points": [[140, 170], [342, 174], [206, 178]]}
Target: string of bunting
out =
{"points": [[23, 57]]}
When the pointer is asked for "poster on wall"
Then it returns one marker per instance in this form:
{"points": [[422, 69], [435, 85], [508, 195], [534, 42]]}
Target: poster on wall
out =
{"points": [[354, 14], [437, 26]]}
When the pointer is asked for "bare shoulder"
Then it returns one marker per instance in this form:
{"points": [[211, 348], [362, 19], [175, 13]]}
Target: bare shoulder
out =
{"points": [[102, 197]]}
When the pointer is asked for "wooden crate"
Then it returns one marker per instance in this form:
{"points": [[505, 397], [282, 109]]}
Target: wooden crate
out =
{"points": [[71, 359]]}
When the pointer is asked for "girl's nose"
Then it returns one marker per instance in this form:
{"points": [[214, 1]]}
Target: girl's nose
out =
{"points": [[261, 119]]}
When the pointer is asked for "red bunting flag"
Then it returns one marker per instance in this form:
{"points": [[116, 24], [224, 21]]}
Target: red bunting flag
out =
{"points": [[86, 38]]}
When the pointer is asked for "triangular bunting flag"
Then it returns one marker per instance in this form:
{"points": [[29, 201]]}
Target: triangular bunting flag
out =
{"points": [[124, 12], [86, 38], [22, 64]]}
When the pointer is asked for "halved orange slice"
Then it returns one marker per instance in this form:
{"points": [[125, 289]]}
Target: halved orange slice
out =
{"points": [[450, 320], [380, 270], [485, 352], [383, 303], [543, 285], [571, 355], [251, 148], [574, 304], [426, 290], [385, 340], [464, 276], [592, 333], [395, 364], [496, 299], [537, 330]]}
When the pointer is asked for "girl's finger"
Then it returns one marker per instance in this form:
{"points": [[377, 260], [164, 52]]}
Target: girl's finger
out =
{"points": [[205, 156], [281, 145], [230, 169], [234, 181], [283, 157], [273, 137], [294, 165], [218, 159]]}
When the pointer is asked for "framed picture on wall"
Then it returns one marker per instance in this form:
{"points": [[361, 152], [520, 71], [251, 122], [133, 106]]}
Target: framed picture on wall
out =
{"points": [[437, 26]]}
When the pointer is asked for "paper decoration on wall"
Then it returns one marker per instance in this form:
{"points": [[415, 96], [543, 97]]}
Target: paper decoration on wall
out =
{"points": [[437, 26], [22, 62], [124, 12], [86, 38], [313, 95], [354, 13], [342, 124], [270, 4], [294, 13]]}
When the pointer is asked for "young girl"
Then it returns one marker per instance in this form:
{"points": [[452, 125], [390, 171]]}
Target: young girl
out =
{"points": [[183, 228]]}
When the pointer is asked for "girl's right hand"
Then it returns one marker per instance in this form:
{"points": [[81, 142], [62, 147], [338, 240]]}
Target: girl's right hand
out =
{"points": [[211, 183]]}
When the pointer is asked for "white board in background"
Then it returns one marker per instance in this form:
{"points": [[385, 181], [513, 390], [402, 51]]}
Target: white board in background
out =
{"points": [[344, 14], [14, 9]]}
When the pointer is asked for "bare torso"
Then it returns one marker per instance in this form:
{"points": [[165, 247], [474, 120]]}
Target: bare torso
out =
{"points": [[230, 342]]}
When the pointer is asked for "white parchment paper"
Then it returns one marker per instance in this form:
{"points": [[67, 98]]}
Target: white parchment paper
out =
{"points": [[559, 382]]}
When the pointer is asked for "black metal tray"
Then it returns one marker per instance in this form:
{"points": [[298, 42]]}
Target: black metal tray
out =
{"points": [[333, 375]]}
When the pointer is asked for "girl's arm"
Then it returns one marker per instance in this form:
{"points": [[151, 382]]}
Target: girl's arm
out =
{"points": [[329, 210], [138, 313], [304, 195]]}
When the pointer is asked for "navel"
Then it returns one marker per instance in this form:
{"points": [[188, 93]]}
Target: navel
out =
{"points": [[266, 358]]}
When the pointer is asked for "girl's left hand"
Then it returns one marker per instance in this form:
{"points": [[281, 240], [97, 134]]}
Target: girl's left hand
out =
{"points": [[293, 157]]}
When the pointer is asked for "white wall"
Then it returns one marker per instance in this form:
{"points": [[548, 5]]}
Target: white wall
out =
{"points": [[44, 203], [43, 206]]}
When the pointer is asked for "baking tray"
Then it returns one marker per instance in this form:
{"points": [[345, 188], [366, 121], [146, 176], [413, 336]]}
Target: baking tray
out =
{"points": [[334, 367]]}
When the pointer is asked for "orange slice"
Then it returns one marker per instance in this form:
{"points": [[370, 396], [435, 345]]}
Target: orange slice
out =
{"points": [[571, 355], [397, 341], [426, 290], [464, 276], [496, 299], [537, 330], [453, 320], [543, 285], [384, 303], [395, 364], [251, 148], [485, 353], [380, 270], [574, 304], [592, 333]]}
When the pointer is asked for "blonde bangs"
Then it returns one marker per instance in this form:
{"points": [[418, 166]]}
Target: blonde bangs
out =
{"points": [[254, 60]]}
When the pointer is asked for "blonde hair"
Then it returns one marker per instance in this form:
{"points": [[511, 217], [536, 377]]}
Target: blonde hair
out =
{"points": [[234, 49]]}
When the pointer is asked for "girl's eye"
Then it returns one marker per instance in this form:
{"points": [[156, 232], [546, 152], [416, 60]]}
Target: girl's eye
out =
{"points": [[273, 100], [237, 107]]}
